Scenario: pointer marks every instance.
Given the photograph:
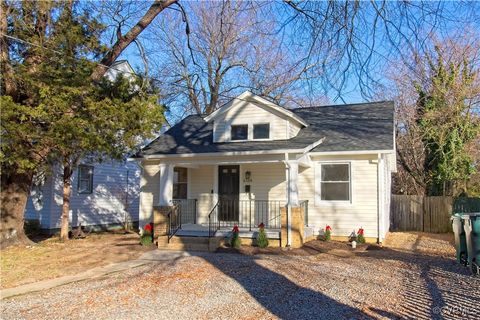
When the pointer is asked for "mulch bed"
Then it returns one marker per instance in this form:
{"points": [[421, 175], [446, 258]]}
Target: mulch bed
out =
{"points": [[313, 247]]}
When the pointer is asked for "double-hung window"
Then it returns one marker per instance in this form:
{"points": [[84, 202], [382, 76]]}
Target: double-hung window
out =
{"points": [[335, 182], [85, 179], [180, 181]]}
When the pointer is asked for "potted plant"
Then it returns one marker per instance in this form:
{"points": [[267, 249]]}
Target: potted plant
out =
{"points": [[235, 241], [147, 235], [360, 236], [328, 233], [262, 239]]}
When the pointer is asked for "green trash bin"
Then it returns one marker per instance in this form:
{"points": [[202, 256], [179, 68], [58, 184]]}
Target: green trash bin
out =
{"points": [[460, 239], [471, 225]]}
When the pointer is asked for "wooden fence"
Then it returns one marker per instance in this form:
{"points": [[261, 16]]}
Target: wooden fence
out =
{"points": [[427, 214]]}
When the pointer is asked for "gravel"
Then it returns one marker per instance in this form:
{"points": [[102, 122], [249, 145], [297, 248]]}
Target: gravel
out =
{"points": [[379, 284]]}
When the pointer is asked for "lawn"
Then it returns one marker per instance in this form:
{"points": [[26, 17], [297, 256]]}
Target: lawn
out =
{"points": [[51, 258]]}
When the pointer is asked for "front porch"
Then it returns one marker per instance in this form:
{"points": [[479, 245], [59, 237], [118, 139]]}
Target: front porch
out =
{"points": [[200, 199], [181, 226]]}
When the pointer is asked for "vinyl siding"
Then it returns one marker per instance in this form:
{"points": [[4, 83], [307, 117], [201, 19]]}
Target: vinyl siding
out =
{"points": [[344, 218], [268, 181], [293, 129], [200, 186], [107, 204], [248, 113]]}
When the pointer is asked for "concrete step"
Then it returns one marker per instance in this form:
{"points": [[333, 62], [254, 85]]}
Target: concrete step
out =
{"points": [[189, 243]]}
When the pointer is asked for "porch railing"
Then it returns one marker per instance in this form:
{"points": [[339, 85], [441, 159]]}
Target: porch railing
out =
{"points": [[174, 221], [246, 214], [188, 210], [213, 223]]}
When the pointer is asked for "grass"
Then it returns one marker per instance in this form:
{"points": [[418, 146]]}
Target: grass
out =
{"points": [[51, 258]]}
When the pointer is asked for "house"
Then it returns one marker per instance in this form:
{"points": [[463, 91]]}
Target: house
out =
{"points": [[103, 194], [252, 161]]}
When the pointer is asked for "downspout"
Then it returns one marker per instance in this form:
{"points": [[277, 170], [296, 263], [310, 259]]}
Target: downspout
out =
{"points": [[289, 206], [378, 197], [142, 172]]}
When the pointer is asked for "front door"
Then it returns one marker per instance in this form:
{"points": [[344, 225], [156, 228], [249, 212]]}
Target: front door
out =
{"points": [[228, 189]]}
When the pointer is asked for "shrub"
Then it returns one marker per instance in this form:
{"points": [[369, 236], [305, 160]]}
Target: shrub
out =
{"points": [[262, 239], [235, 241], [328, 233], [360, 237]]}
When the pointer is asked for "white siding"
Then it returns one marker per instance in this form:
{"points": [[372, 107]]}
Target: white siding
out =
{"points": [[249, 113], [201, 185], [268, 181], [293, 129], [107, 204], [344, 218]]}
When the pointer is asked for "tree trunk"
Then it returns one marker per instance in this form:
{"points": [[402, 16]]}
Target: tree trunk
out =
{"points": [[123, 41], [14, 196], [67, 190]]}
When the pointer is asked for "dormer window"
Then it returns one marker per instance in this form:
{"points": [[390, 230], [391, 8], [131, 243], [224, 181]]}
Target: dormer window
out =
{"points": [[261, 131], [239, 132]]}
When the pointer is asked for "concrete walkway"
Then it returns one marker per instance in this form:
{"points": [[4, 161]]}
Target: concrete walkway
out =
{"points": [[148, 257]]}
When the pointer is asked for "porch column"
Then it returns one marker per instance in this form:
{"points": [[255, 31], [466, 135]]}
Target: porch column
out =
{"points": [[292, 197], [166, 185]]}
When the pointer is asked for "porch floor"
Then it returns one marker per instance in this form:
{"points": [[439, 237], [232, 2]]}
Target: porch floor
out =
{"points": [[200, 230]]}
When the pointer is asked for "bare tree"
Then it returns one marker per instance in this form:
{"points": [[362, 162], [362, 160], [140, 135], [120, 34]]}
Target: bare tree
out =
{"points": [[124, 40], [424, 73], [229, 47]]}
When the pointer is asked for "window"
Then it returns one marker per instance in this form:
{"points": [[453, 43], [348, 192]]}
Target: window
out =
{"points": [[261, 131], [180, 183], [335, 182], [239, 132], [85, 179]]}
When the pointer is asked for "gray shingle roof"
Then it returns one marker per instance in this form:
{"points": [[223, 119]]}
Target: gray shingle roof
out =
{"points": [[353, 127]]}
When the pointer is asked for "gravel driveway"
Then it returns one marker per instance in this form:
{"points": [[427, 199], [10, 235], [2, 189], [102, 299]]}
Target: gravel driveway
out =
{"points": [[337, 285]]}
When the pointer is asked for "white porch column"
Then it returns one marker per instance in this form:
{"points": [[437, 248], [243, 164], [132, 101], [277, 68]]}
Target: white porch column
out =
{"points": [[292, 194], [166, 185], [293, 184]]}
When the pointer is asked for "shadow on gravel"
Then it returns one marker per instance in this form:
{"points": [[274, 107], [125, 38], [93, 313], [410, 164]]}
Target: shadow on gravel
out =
{"points": [[278, 294], [435, 287]]}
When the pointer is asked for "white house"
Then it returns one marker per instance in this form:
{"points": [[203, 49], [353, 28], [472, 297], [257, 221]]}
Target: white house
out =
{"points": [[250, 158]]}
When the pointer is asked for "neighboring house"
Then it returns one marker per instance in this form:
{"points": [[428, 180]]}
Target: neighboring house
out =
{"points": [[103, 194], [251, 160]]}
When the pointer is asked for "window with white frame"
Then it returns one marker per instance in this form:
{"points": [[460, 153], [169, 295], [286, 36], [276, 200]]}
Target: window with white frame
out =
{"points": [[85, 179], [335, 182], [261, 131], [239, 132], [180, 182]]}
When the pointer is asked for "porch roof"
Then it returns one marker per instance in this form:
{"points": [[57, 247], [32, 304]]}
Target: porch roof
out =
{"points": [[353, 127]]}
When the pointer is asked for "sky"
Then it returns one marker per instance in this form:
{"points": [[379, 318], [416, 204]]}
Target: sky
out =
{"points": [[454, 19]]}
